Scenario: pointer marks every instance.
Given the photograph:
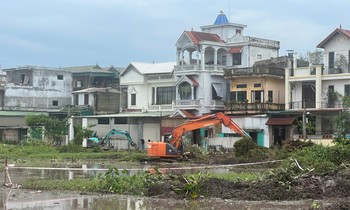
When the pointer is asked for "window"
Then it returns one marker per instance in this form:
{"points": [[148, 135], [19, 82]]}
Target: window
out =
{"points": [[185, 91], [60, 77], [241, 86], [165, 95], [236, 59], [133, 99], [86, 99], [239, 96], [153, 95], [120, 120], [270, 96], [331, 60], [103, 120], [347, 90], [79, 84], [257, 85], [54, 103], [223, 62], [259, 56], [217, 92], [238, 31]]}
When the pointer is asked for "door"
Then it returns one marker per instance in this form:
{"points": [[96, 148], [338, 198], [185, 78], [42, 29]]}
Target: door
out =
{"points": [[278, 135]]}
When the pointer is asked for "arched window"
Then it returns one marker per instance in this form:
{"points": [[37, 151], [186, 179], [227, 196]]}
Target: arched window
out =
{"points": [[185, 91]]}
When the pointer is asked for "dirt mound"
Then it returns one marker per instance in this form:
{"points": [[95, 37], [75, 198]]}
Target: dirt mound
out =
{"points": [[307, 187]]}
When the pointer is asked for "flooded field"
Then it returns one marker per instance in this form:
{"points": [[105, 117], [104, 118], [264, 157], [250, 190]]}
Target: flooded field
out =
{"points": [[47, 200], [19, 199]]}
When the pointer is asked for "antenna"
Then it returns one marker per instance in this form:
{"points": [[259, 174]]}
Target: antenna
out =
{"points": [[229, 10]]}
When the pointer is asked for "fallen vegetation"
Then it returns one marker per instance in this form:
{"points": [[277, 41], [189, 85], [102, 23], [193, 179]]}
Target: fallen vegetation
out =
{"points": [[308, 171]]}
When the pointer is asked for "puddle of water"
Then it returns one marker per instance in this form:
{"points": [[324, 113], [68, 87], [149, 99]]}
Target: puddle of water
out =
{"points": [[48, 200]]}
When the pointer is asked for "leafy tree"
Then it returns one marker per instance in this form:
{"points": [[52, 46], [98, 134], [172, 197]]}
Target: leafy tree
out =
{"points": [[342, 122], [54, 128], [315, 57], [80, 133]]}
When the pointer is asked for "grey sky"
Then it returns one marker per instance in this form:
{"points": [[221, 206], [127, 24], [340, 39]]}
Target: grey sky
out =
{"points": [[114, 32]]}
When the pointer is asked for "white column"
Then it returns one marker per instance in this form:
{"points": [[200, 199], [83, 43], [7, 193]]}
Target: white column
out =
{"points": [[287, 89], [70, 130], [192, 92], [177, 58], [182, 57], [197, 56], [190, 57], [215, 59], [203, 58], [318, 86]]}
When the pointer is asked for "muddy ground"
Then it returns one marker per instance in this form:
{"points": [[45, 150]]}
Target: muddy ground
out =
{"points": [[333, 186]]}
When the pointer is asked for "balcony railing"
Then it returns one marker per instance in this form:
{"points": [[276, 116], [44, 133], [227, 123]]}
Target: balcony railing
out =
{"points": [[198, 67], [163, 107], [312, 104], [253, 107], [325, 70], [184, 103], [299, 105], [234, 72]]}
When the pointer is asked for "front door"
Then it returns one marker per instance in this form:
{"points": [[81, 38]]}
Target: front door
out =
{"points": [[278, 135]]}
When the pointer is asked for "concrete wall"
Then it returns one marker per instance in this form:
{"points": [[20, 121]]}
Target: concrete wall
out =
{"points": [[45, 89]]}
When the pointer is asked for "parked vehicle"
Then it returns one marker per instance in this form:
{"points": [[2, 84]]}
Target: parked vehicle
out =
{"points": [[173, 148], [94, 140]]}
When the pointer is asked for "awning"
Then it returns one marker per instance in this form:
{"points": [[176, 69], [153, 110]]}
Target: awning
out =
{"points": [[280, 121], [218, 89], [235, 50]]}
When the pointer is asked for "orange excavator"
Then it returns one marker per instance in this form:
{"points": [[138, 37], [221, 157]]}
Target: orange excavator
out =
{"points": [[172, 148]]}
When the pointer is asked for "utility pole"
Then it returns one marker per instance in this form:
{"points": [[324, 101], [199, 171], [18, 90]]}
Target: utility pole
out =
{"points": [[304, 120]]}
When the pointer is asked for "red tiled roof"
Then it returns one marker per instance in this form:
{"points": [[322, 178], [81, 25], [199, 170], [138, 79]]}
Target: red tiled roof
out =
{"points": [[196, 37], [280, 121], [235, 50], [344, 32]]}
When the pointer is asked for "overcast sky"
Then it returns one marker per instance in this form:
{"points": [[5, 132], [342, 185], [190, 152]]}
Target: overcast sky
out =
{"points": [[55, 33]]}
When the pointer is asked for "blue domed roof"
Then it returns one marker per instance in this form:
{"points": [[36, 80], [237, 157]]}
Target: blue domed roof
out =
{"points": [[221, 19]]}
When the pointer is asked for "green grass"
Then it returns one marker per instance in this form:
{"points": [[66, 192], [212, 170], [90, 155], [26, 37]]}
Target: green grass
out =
{"points": [[27, 153], [235, 177]]}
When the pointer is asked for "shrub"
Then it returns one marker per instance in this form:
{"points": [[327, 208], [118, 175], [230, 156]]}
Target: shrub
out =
{"points": [[243, 146]]}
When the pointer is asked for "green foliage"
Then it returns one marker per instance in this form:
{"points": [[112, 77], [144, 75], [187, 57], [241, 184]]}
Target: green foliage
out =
{"points": [[321, 158], [333, 97], [121, 182], [80, 133], [71, 147], [53, 127], [243, 146], [36, 120], [191, 187]]}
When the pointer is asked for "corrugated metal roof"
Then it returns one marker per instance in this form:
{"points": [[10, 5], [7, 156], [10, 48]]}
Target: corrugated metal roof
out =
{"points": [[100, 90], [280, 121], [153, 68], [20, 113]]}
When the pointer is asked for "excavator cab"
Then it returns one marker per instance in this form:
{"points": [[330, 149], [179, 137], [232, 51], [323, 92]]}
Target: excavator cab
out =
{"points": [[162, 149]]}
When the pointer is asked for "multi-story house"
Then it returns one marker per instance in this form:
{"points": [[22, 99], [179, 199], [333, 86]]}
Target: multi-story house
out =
{"points": [[37, 88], [316, 90], [95, 89], [150, 86], [203, 56]]}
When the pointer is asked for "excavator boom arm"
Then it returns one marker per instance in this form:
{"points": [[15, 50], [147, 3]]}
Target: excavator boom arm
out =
{"points": [[203, 122]]}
